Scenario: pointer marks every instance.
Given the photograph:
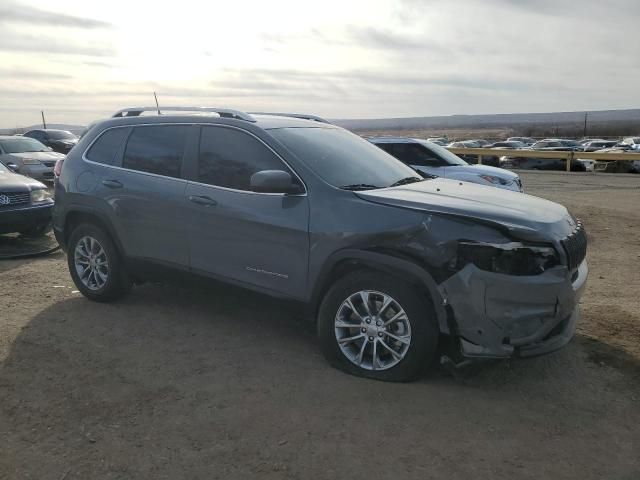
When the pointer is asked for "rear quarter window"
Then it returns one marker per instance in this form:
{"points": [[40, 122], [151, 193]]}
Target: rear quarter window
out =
{"points": [[104, 149]]}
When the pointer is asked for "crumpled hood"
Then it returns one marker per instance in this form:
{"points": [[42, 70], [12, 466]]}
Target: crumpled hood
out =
{"points": [[525, 215], [50, 156]]}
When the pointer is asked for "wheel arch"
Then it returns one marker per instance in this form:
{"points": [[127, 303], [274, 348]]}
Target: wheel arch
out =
{"points": [[78, 215], [349, 260]]}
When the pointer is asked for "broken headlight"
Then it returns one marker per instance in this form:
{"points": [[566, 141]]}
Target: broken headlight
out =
{"points": [[513, 258]]}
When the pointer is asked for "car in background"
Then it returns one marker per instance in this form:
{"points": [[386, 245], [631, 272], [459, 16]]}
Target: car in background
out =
{"points": [[555, 145], [632, 142], [526, 140], [595, 145], [438, 140], [508, 145], [481, 141], [431, 160], [27, 156], [61, 141], [25, 204]]}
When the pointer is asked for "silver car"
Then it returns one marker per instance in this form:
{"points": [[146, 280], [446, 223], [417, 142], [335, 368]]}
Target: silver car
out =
{"points": [[431, 160], [28, 156]]}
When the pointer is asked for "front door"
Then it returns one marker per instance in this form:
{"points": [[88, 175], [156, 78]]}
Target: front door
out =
{"points": [[253, 238]]}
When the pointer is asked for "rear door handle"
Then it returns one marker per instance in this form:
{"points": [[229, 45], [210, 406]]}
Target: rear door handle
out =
{"points": [[112, 183], [203, 200]]}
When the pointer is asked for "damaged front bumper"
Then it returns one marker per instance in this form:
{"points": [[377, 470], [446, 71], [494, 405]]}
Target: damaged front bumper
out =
{"points": [[498, 316]]}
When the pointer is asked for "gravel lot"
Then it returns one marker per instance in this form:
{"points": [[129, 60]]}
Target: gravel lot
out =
{"points": [[204, 381]]}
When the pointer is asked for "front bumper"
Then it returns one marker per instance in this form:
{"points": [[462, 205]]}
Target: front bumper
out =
{"points": [[20, 219], [500, 316]]}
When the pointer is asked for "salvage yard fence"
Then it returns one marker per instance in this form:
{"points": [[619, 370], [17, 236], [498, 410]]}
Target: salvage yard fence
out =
{"points": [[602, 158]]}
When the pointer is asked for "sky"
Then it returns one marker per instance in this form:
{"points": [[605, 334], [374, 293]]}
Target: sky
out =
{"points": [[80, 60]]}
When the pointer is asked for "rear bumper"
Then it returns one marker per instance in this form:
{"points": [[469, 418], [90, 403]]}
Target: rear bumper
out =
{"points": [[501, 316], [20, 219]]}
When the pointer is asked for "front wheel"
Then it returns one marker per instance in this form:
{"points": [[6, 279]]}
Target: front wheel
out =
{"points": [[374, 325], [95, 266]]}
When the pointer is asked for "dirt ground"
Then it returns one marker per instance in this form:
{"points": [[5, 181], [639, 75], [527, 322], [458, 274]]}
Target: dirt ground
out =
{"points": [[203, 381]]}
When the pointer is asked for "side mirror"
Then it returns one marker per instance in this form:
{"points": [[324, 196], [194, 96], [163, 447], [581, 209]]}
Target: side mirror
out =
{"points": [[49, 149], [273, 181], [12, 166]]}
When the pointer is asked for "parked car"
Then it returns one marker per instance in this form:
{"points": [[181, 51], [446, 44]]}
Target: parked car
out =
{"points": [[526, 140], [60, 141], [431, 160], [28, 156], [632, 142], [473, 159], [442, 141], [388, 262], [25, 204], [531, 163], [596, 145], [482, 143], [508, 145]]}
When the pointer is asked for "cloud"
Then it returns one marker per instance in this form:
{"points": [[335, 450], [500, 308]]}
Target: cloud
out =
{"points": [[12, 12], [28, 74], [18, 42]]}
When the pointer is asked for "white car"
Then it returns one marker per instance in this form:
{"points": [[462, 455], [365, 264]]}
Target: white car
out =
{"points": [[432, 160]]}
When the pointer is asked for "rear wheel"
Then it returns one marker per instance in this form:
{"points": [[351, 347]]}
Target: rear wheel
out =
{"points": [[376, 326], [95, 266]]}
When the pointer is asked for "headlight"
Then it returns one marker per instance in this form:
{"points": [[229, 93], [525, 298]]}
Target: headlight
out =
{"points": [[40, 195], [30, 161], [494, 180], [510, 258]]}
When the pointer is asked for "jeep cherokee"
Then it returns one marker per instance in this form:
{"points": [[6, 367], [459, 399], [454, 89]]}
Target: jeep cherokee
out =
{"points": [[388, 262]]}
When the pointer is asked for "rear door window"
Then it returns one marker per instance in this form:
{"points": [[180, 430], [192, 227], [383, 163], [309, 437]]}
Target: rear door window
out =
{"points": [[157, 149], [104, 149]]}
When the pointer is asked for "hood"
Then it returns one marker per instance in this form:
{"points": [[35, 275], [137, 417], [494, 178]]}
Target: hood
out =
{"points": [[13, 182], [39, 155], [483, 170], [526, 216]]}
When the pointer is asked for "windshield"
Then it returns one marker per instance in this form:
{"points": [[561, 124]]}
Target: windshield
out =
{"points": [[342, 158], [443, 153], [61, 135], [22, 144]]}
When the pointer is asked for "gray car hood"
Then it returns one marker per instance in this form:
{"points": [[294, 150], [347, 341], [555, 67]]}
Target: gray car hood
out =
{"points": [[50, 156], [525, 215], [14, 182]]}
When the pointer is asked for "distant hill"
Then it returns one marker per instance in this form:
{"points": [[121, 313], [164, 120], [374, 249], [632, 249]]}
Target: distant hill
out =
{"points": [[56, 126], [508, 120]]}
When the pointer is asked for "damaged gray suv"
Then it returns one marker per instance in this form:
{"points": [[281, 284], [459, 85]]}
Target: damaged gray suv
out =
{"points": [[391, 265]]}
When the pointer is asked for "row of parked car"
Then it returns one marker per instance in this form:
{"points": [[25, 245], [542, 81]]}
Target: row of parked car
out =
{"points": [[628, 144], [26, 161]]}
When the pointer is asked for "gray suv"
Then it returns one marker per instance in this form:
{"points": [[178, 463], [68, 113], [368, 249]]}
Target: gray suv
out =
{"points": [[391, 265]]}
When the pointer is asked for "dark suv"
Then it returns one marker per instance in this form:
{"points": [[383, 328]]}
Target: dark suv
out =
{"points": [[389, 263]]}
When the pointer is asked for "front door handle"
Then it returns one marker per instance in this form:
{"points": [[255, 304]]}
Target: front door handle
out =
{"points": [[112, 183], [203, 200]]}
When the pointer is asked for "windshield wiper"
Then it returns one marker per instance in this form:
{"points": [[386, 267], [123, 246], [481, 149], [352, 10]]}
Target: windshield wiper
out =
{"points": [[359, 186], [406, 181]]}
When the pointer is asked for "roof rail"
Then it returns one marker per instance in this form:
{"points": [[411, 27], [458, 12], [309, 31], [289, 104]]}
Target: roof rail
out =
{"points": [[223, 112], [303, 116]]}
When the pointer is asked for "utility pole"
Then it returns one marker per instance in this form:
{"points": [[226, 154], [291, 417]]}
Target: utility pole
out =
{"points": [[157, 106], [44, 123], [584, 133]]}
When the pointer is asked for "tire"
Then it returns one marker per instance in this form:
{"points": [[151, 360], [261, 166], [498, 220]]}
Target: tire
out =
{"points": [[422, 329], [106, 284], [37, 230]]}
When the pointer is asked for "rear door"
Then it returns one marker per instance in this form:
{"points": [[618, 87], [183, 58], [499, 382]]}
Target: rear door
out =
{"points": [[144, 191], [260, 239]]}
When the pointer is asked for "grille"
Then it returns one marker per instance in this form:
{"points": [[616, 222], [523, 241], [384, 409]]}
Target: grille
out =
{"points": [[575, 245], [9, 199]]}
